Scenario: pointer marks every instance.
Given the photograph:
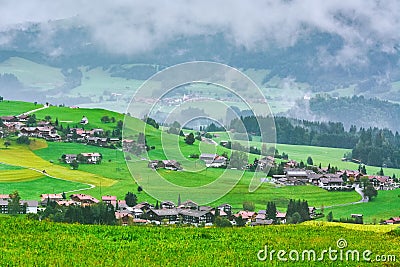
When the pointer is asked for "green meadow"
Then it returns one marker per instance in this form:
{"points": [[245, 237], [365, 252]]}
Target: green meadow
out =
{"points": [[72, 117], [13, 108], [43, 185], [386, 205], [97, 245]]}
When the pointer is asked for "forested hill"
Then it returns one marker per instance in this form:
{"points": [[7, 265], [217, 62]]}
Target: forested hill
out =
{"points": [[372, 146], [359, 110]]}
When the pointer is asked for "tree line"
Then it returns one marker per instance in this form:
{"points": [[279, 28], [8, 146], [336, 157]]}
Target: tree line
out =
{"points": [[372, 146]]}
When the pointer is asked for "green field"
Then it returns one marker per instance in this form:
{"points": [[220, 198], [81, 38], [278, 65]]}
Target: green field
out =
{"points": [[23, 156], [42, 185], [13, 108], [72, 117], [386, 205], [80, 245]]}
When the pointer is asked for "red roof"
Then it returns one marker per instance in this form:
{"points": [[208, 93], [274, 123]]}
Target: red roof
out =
{"points": [[109, 198], [245, 214], [280, 214], [83, 197]]}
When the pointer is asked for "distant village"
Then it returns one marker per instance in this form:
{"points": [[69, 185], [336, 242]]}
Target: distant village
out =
{"points": [[187, 212]]}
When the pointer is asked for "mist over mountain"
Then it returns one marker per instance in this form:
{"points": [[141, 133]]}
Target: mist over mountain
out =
{"points": [[340, 48]]}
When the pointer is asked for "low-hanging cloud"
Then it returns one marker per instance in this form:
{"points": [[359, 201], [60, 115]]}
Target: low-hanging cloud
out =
{"points": [[129, 27]]}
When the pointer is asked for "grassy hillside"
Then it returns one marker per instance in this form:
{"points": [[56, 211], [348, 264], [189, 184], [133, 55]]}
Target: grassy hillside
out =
{"points": [[31, 74], [80, 245], [386, 205], [72, 116], [22, 155], [113, 177], [13, 108]]}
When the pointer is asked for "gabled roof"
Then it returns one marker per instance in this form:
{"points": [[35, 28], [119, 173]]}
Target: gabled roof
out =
{"points": [[193, 213], [94, 154], [165, 212], [280, 214], [30, 203], [245, 214], [189, 203], [168, 202], [83, 197], [109, 198]]}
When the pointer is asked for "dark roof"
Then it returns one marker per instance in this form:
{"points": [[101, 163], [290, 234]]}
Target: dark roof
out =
{"points": [[193, 213], [165, 212]]}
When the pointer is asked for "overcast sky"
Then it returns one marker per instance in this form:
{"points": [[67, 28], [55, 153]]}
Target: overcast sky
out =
{"points": [[135, 26]]}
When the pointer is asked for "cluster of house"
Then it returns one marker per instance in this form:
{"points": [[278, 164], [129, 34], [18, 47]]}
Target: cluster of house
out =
{"points": [[89, 158], [188, 212], [210, 160], [90, 137], [45, 130], [27, 206], [341, 180]]}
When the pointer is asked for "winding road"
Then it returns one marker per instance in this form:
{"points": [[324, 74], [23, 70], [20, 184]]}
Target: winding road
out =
{"points": [[359, 190]]}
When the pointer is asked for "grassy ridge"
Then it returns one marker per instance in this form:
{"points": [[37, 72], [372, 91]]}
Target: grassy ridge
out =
{"points": [[73, 116], [79, 245], [13, 108]]}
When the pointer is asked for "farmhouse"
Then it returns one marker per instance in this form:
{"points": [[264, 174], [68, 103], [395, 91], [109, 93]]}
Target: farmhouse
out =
{"points": [[112, 200], [213, 160], [144, 206], [261, 219], [84, 120], [92, 158], [170, 215], [46, 132], [381, 182], [393, 220], [189, 204], [167, 205], [68, 158], [226, 208], [127, 144], [246, 215], [46, 198], [196, 216], [26, 206], [166, 164], [84, 199]]}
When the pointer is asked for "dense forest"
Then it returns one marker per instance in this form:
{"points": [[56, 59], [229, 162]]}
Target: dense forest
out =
{"points": [[372, 146], [359, 110]]}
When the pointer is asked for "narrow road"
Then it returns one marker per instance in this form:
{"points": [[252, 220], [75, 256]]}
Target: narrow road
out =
{"points": [[34, 110], [359, 190]]}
